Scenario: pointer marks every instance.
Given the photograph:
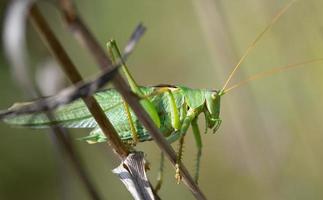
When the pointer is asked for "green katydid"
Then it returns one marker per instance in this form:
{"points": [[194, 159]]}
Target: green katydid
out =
{"points": [[172, 108]]}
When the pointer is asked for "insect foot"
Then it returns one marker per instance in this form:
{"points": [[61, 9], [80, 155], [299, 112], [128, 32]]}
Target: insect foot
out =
{"points": [[178, 176], [147, 165]]}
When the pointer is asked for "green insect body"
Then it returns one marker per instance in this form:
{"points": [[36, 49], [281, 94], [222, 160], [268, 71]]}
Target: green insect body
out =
{"points": [[172, 108], [76, 115]]}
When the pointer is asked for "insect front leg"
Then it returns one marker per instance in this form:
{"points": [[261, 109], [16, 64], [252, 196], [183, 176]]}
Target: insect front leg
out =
{"points": [[211, 122], [217, 125]]}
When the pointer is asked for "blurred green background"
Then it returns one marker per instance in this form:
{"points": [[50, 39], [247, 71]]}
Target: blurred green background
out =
{"points": [[270, 143]]}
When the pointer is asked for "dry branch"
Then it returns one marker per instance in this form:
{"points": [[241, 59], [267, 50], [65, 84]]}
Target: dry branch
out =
{"points": [[15, 47], [84, 35], [85, 89], [70, 70]]}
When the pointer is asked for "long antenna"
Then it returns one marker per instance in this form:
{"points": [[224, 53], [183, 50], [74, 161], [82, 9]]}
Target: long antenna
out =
{"points": [[254, 43], [271, 72]]}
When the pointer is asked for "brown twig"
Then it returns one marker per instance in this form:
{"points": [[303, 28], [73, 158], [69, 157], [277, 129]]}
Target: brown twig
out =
{"points": [[72, 73], [67, 146], [70, 70], [87, 39], [17, 54], [65, 96]]}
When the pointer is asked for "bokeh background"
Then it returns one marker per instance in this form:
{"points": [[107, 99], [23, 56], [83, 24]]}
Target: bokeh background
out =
{"points": [[270, 143]]}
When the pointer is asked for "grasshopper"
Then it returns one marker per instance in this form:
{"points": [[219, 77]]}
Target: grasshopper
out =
{"points": [[172, 108]]}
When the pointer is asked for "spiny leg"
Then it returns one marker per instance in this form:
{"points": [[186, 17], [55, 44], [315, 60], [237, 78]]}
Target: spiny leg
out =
{"points": [[198, 141], [174, 113], [176, 135], [175, 118], [130, 121], [149, 107], [191, 114], [178, 176], [160, 173]]}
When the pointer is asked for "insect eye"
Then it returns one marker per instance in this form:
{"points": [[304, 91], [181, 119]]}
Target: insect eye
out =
{"points": [[213, 95]]}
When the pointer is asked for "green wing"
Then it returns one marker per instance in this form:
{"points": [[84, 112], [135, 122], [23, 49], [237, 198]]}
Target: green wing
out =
{"points": [[72, 115], [76, 115]]}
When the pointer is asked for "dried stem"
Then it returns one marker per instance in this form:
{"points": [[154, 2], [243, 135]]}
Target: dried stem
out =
{"points": [[73, 74], [16, 20], [70, 70], [67, 146], [87, 39]]}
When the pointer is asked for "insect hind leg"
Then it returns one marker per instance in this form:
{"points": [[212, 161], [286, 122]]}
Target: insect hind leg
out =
{"points": [[191, 115], [160, 173], [178, 176], [198, 141], [133, 131]]}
